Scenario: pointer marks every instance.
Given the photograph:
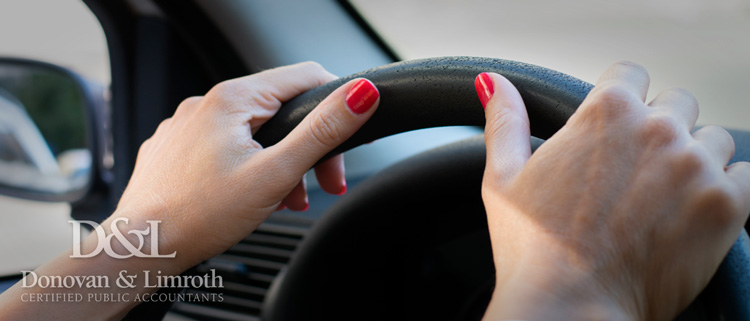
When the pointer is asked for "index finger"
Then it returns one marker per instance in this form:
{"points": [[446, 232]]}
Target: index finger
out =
{"points": [[285, 83], [628, 74], [260, 95]]}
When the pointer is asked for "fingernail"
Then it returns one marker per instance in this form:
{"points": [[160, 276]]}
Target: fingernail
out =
{"points": [[281, 207], [362, 96], [485, 88], [343, 189], [307, 207]]}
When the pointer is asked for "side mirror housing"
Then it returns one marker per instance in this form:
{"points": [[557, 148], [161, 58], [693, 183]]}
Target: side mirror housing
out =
{"points": [[52, 132]]}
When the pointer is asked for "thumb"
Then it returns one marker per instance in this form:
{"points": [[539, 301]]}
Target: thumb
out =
{"points": [[506, 131], [331, 123]]}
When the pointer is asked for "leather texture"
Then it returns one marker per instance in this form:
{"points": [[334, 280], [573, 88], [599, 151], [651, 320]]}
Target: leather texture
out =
{"points": [[439, 92]]}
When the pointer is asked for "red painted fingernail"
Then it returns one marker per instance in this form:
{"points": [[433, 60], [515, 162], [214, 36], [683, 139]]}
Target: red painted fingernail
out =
{"points": [[485, 88], [343, 190], [362, 96], [281, 207], [307, 207]]}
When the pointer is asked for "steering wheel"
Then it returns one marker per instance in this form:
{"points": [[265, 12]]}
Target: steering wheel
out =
{"points": [[412, 242]]}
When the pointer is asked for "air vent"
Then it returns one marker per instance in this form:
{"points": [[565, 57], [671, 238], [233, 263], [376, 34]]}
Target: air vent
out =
{"points": [[247, 270]]}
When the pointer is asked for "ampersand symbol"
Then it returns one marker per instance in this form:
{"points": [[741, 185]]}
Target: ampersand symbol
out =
{"points": [[129, 280], [124, 241]]}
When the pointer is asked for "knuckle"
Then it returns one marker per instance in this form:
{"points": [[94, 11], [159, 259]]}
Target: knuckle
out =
{"points": [[222, 93], [630, 65], [659, 130], [718, 202], [608, 101], [145, 147], [220, 88], [317, 69], [683, 94], [611, 93], [164, 124], [688, 162], [325, 129], [719, 133], [742, 166], [190, 101], [188, 104], [313, 65]]}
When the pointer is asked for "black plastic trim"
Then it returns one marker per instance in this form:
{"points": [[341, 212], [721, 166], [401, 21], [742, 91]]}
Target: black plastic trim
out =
{"points": [[92, 142], [368, 29]]}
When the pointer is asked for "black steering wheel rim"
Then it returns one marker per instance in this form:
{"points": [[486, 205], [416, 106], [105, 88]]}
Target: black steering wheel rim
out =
{"points": [[439, 92]]}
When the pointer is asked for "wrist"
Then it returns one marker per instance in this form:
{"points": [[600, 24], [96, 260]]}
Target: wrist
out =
{"points": [[544, 305], [193, 232], [532, 294], [141, 240]]}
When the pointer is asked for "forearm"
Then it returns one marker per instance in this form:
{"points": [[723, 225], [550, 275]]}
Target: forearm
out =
{"points": [[99, 287], [540, 278], [521, 299]]}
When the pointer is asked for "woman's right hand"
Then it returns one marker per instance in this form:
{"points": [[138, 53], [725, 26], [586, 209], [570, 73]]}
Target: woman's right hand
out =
{"points": [[622, 214]]}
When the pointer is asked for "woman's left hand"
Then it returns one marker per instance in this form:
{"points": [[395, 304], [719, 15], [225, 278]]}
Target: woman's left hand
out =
{"points": [[205, 178]]}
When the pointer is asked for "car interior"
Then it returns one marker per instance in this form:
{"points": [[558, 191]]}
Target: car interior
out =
{"points": [[391, 248]]}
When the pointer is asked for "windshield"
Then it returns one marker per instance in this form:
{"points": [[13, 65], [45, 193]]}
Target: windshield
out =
{"points": [[699, 45]]}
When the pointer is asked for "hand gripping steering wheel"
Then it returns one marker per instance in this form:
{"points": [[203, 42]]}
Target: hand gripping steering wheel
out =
{"points": [[411, 243]]}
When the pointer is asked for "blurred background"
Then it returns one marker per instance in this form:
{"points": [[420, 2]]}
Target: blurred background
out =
{"points": [[700, 45], [62, 32]]}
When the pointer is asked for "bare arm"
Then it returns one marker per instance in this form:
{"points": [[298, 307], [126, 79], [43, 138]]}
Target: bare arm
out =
{"points": [[209, 184]]}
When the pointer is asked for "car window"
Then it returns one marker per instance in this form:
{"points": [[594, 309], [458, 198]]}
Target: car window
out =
{"points": [[700, 45], [42, 125], [62, 32]]}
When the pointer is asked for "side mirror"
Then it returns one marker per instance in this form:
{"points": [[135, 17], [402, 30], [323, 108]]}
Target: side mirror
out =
{"points": [[49, 120]]}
